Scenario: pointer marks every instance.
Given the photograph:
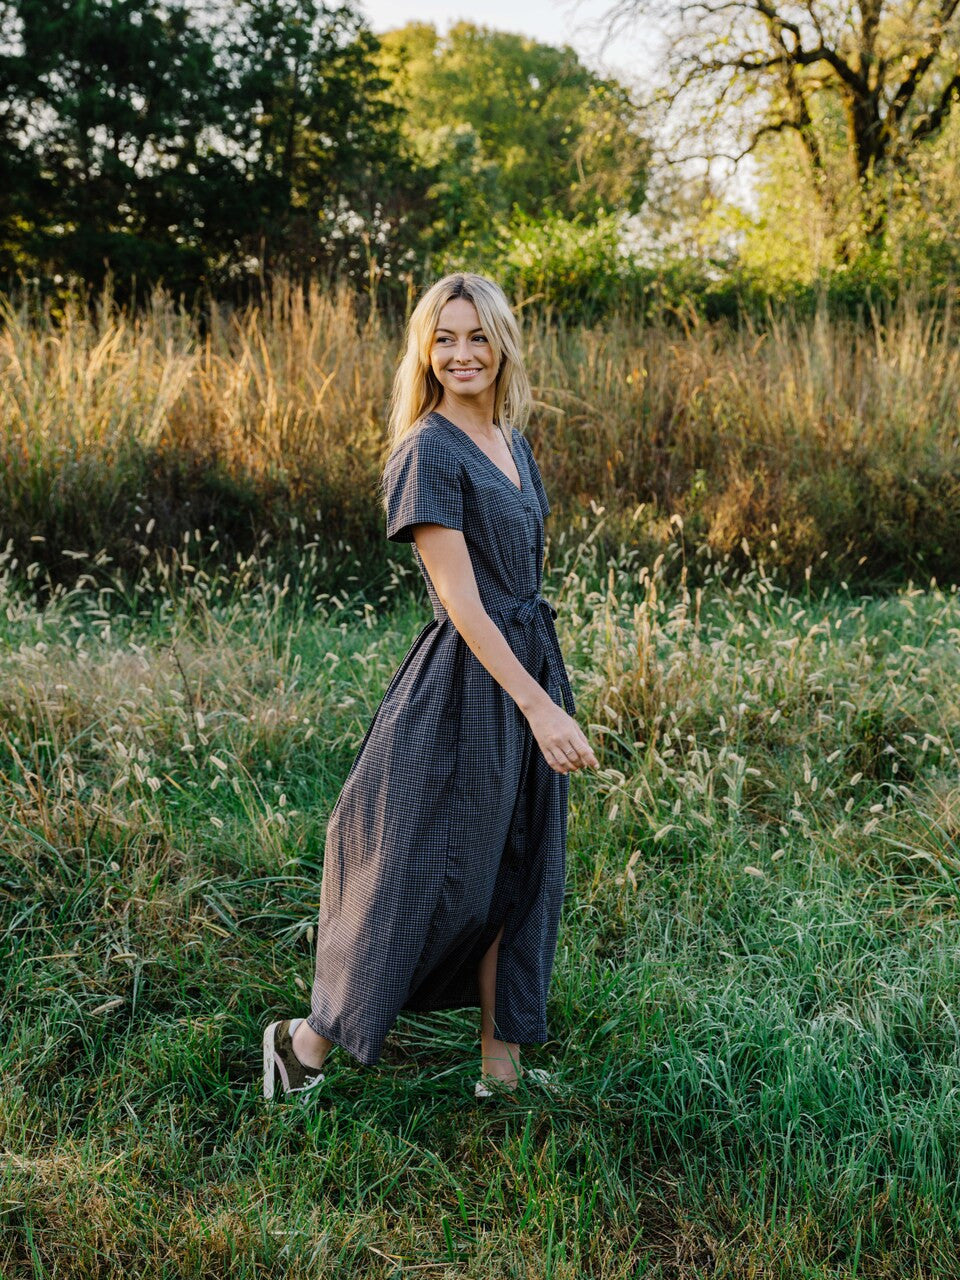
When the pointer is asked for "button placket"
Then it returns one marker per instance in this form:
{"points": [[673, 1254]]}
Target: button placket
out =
{"points": [[531, 523]]}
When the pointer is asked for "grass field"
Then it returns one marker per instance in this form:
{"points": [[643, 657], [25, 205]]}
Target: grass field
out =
{"points": [[754, 1005]]}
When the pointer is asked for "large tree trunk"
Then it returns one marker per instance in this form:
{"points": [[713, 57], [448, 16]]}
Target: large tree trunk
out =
{"points": [[869, 151]]}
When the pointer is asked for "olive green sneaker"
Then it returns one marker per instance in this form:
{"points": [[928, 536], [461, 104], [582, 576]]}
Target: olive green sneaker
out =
{"points": [[281, 1064]]}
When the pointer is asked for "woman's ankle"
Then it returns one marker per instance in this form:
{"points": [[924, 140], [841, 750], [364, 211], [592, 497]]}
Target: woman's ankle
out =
{"points": [[500, 1059], [310, 1047]]}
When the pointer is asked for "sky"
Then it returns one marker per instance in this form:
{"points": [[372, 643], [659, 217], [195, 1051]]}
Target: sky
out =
{"points": [[575, 22]]}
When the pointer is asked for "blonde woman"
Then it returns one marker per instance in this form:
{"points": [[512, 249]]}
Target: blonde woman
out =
{"points": [[445, 853]]}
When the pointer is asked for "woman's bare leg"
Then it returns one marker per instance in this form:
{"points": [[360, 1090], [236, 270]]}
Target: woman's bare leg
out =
{"points": [[309, 1047], [500, 1058]]}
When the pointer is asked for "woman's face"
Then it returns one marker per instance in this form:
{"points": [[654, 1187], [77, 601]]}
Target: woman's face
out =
{"points": [[460, 355]]}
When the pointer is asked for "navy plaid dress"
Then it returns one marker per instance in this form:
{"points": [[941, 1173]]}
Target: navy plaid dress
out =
{"points": [[450, 822]]}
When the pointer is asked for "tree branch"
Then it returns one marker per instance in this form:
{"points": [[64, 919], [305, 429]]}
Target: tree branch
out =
{"points": [[911, 81], [934, 119]]}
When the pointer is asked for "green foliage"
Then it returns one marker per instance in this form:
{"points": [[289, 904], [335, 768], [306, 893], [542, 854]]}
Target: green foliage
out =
{"points": [[112, 100], [324, 180], [787, 243], [214, 147], [573, 265], [505, 123], [161, 146], [154, 143]]}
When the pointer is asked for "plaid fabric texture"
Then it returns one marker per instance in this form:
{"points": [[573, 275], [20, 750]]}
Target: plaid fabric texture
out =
{"points": [[450, 822]]}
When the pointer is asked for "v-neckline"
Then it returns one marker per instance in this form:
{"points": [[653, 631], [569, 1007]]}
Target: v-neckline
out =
{"points": [[517, 488]]}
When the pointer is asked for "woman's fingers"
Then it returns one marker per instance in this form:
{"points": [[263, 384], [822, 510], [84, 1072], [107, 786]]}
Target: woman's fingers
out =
{"points": [[562, 741], [568, 756], [578, 750]]}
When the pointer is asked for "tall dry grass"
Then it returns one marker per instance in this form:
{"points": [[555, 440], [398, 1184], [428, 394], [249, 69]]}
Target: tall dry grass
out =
{"points": [[813, 440], [824, 442]]}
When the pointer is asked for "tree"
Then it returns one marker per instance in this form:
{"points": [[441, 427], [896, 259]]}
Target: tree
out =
{"points": [[504, 122], [195, 143], [103, 106], [862, 84], [326, 179]]}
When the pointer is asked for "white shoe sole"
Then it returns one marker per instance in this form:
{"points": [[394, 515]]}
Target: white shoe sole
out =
{"points": [[536, 1075], [269, 1064]]}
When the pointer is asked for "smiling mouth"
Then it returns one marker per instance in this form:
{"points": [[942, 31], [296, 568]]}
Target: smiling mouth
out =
{"points": [[464, 373]]}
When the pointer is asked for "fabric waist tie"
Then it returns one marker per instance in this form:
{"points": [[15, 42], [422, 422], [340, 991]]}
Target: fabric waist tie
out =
{"points": [[538, 611], [535, 611], [525, 610]]}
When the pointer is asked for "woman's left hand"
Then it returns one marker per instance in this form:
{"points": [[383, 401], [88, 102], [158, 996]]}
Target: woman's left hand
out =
{"points": [[563, 743]]}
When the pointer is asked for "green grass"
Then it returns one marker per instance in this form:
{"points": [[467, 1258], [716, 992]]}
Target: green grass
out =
{"points": [[754, 1006]]}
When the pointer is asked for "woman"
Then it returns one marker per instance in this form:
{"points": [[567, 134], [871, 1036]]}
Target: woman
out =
{"points": [[445, 854]]}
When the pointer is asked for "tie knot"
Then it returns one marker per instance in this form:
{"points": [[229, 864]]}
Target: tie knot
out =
{"points": [[526, 610]]}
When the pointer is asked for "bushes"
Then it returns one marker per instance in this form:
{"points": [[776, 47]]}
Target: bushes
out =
{"points": [[577, 268], [585, 271]]}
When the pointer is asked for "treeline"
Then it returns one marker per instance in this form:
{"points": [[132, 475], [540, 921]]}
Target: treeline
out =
{"points": [[213, 144]]}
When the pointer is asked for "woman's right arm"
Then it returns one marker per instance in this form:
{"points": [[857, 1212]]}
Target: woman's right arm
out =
{"points": [[447, 561]]}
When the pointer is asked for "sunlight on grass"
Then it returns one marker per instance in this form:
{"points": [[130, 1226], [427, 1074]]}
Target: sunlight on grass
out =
{"points": [[816, 442], [753, 1006]]}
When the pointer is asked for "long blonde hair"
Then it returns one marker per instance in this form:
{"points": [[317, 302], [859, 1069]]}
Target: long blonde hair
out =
{"points": [[416, 390]]}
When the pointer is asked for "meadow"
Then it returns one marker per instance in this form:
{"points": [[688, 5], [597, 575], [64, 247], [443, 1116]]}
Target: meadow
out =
{"points": [[753, 551], [817, 442], [753, 1013]]}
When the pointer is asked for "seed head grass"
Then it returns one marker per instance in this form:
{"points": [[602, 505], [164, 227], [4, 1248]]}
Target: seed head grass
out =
{"points": [[753, 1007]]}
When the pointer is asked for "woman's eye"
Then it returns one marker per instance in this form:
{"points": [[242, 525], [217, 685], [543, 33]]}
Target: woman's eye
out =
{"points": [[479, 337]]}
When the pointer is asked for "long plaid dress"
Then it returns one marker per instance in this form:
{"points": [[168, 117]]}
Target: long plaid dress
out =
{"points": [[450, 822]]}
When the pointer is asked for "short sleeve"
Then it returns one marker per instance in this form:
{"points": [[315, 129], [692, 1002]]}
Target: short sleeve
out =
{"points": [[422, 484], [535, 478]]}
